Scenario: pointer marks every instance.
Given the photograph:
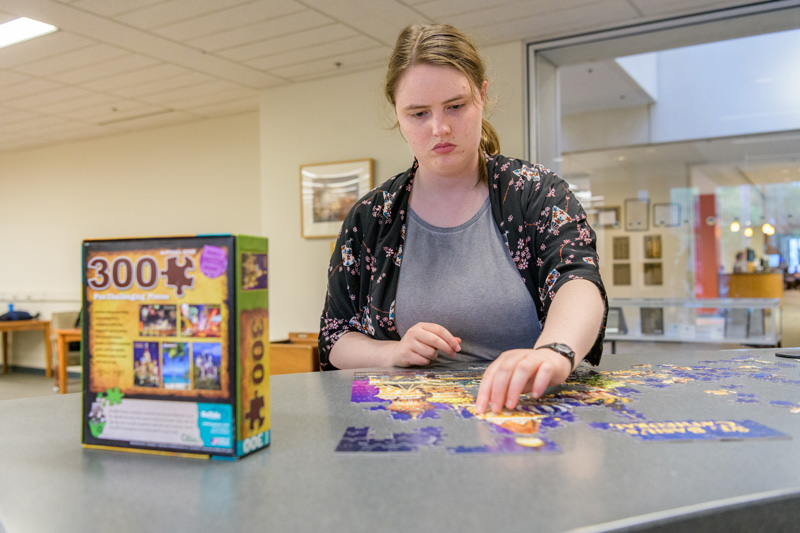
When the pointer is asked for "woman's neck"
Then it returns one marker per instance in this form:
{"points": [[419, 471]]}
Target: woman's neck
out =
{"points": [[447, 202]]}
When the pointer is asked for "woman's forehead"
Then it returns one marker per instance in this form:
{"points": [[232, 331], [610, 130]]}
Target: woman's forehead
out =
{"points": [[432, 82]]}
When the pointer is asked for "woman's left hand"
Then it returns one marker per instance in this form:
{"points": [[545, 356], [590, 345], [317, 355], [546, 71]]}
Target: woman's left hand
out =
{"points": [[519, 371]]}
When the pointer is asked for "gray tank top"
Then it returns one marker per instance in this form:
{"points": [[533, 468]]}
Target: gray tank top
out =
{"points": [[464, 279]]}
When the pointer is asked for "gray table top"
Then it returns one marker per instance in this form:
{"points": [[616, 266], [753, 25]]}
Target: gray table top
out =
{"points": [[601, 480]]}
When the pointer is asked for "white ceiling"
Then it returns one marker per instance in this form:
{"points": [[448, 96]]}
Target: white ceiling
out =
{"points": [[123, 65]]}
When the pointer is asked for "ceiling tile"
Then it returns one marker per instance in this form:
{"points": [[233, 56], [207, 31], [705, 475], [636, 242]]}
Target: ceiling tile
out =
{"points": [[231, 107], [650, 8], [112, 111], [41, 48], [163, 85], [113, 7], [88, 55], [607, 13], [325, 67], [43, 101], [180, 96], [170, 12], [133, 78], [167, 118], [440, 10], [28, 88], [79, 103], [290, 42], [105, 69], [261, 30], [9, 115], [10, 78], [332, 50], [228, 19]]}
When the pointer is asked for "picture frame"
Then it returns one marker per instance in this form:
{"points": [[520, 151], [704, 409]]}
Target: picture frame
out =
{"points": [[652, 246], [652, 319], [636, 215], [653, 274], [328, 191], [622, 247], [622, 274], [615, 323], [666, 215], [608, 217]]}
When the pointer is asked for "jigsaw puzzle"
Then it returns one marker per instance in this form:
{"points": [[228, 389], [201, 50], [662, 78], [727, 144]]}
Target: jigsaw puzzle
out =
{"points": [[426, 395]]}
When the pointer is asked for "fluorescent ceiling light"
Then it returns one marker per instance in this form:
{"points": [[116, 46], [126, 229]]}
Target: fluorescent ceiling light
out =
{"points": [[22, 29]]}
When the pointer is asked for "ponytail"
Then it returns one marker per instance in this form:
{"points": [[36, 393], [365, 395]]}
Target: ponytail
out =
{"points": [[489, 146]]}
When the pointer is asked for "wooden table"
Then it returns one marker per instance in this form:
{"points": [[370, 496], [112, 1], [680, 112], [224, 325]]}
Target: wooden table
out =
{"points": [[27, 325], [63, 338]]}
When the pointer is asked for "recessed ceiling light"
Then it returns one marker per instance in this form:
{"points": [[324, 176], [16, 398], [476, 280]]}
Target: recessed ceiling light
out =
{"points": [[21, 29]]}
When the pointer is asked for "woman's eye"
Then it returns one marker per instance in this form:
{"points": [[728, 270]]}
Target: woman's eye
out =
{"points": [[456, 107], [418, 114]]}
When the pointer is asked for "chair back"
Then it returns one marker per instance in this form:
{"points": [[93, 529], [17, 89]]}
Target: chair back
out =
{"points": [[64, 319]]}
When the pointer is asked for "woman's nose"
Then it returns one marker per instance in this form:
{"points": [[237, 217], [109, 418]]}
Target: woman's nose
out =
{"points": [[440, 125]]}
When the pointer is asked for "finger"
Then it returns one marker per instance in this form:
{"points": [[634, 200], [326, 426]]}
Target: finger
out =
{"points": [[502, 378], [421, 348], [432, 340], [484, 390], [451, 345], [522, 380], [542, 380]]}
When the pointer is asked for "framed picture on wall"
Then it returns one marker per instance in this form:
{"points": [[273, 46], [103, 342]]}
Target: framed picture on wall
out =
{"points": [[616, 321], [652, 320], [666, 215], [636, 215], [608, 217], [652, 246], [328, 191], [622, 273], [622, 248], [653, 274]]}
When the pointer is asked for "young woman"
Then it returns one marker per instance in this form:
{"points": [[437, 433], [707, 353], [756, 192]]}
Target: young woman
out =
{"points": [[468, 255]]}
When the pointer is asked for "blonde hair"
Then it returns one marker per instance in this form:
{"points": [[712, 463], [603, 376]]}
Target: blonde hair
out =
{"points": [[443, 45]]}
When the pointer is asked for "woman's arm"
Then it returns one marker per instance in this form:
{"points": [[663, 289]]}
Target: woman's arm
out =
{"points": [[575, 317], [418, 347]]}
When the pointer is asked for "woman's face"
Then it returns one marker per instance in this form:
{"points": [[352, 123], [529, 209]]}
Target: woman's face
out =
{"points": [[440, 118]]}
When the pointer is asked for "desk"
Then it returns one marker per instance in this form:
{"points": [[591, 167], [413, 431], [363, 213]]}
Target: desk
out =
{"points": [[601, 481], [63, 338], [27, 325]]}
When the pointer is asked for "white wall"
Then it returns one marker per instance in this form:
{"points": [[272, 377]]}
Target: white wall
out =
{"points": [[335, 120], [201, 177]]}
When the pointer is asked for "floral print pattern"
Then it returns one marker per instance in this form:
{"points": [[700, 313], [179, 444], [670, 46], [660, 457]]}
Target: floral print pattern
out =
{"points": [[542, 224]]}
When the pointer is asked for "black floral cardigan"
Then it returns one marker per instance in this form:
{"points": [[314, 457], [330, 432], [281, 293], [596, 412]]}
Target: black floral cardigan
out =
{"points": [[543, 226]]}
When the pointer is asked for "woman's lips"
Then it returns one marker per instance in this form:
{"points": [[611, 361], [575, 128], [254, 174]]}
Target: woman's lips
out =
{"points": [[444, 148]]}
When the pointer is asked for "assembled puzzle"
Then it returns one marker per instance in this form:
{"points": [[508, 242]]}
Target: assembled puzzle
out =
{"points": [[176, 345]]}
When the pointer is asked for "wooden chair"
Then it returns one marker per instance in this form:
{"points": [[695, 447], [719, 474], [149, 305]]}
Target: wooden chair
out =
{"points": [[60, 321]]}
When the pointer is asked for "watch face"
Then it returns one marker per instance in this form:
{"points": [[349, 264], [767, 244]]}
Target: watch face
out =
{"points": [[563, 349]]}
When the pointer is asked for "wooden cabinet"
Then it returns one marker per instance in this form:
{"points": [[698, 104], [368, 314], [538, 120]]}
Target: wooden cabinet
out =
{"points": [[297, 354]]}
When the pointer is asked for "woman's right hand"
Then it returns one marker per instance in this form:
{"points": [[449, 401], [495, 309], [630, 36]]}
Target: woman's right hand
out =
{"points": [[421, 344]]}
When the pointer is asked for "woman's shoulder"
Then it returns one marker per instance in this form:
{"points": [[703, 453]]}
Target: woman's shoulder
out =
{"points": [[520, 171], [379, 203]]}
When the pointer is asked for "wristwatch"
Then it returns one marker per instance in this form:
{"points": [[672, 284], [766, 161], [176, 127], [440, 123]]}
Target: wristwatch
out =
{"points": [[564, 350]]}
